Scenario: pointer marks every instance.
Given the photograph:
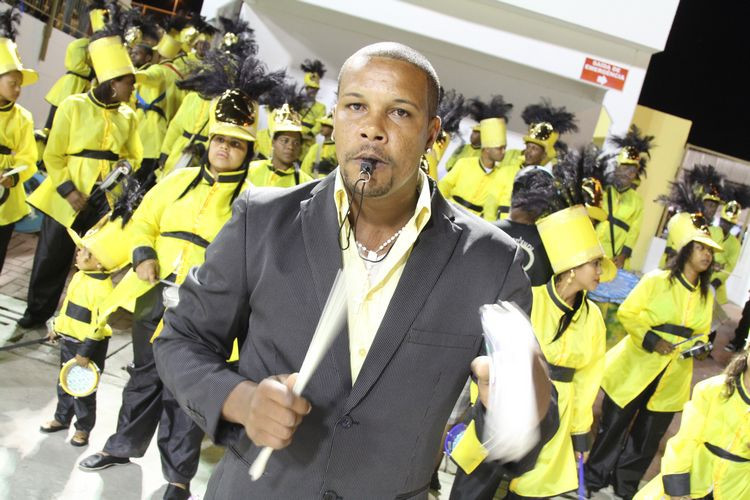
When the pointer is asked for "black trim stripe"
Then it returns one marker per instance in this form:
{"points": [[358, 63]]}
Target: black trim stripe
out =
{"points": [[98, 276], [187, 236], [78, 313], [5, 150], [726, 455], [684, 282], [561, 373], [194, 137], [83, 77], [468, 204], [96, 154], [228, 177], [679, 330], [555, 299], [619, 223], [99, 103]]}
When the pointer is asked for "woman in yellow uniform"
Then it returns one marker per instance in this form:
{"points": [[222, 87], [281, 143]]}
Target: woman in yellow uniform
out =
{"points": [[91, 132], [320, 159], [170, 231], [18, 151], [647, 376], [709, 457]]}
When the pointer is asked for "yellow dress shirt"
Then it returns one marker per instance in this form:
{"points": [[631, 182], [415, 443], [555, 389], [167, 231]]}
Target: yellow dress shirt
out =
{"points": [[371, 286]]}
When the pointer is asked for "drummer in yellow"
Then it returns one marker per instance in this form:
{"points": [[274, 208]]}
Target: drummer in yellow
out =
{"points": [[471, 150], [477, 183], [320, 159], [79, 73], [313, 109], [78, 329], [646, 378], [709, 457], [622, 203], [282, 169], [725, 262], [91, 132], [18, 152]]}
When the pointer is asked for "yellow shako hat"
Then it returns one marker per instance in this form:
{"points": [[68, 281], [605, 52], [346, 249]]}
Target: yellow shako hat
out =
{"points": [[110, 59], [546, 123], [634, 148], [105, 242], [234, 116], [168, 46], [685, 227], [9, 58], [493, 132], [98, 19], [570, 240], [495, 108], [286, 119], [314, 71]]}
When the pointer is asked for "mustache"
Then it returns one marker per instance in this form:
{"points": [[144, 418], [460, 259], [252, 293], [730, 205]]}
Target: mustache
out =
{"points": [[369, 152]]}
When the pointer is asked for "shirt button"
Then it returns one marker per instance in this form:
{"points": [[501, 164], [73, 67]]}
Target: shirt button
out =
{"points": [[330, 495], [363, 352], [346, 422]]}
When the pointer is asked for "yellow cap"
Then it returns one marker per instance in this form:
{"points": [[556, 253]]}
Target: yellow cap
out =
{"points": [[11, 61], [685, 227], [326, 120], [543, 135], [570, 240], [234, 116], [105, 242], [492, 131], [97, 19], [312, 80], [110, 58], [285, 119], [188, 36], [168, 47], [731, 212]]}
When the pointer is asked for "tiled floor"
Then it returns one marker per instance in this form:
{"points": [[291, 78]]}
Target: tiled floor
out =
{"points": [[41, 466]]}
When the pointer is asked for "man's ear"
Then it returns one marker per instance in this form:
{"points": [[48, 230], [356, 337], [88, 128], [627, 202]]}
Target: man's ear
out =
{"points": [[434, 130]]}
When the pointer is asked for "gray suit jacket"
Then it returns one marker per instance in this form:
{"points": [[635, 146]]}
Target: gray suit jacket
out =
{"points": [[265, 282]]}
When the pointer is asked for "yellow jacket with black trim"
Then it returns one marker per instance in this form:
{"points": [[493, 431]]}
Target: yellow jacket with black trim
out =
{"points": [[317, 152], [468, 184], [78, 76], [710, 453], [17, 148], [310, 116], [576, 367], [657, 308], [465, 151], [190, 123], [78, 316], [153, 106], [263, 146], [262, 174], [625, 216], [86, 139], [726, 260]]}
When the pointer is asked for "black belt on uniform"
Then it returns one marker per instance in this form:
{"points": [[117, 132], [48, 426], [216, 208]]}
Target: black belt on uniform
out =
{"points": [[85, 77], [96, 154], [80, 313], [561, 373], [197, 137], [619, 223], [5, 150], [308, 124], [184, 235], [722, 453], [468, 204], [680, 331]]}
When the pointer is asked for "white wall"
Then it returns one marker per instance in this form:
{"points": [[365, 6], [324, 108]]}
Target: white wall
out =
{"points": [[29, 43]]}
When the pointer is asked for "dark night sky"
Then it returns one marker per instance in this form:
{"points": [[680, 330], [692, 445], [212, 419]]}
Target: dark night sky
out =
{"points": [[699, 74]]}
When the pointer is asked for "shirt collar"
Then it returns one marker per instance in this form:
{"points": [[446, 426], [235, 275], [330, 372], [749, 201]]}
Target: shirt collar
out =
{"points": [[683, 280], [8, 106], [231, 177], [422, 212], [100, 103], [552, 292]]}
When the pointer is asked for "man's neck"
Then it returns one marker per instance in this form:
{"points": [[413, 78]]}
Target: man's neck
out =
{"points": [[4, 102], [279, 165], [486, 162]]}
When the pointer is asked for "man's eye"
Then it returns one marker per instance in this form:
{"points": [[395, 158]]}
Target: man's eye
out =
{"points": [[401, 113], [355, 106]]}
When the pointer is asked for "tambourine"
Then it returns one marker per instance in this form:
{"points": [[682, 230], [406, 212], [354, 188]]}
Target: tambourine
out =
{"points": [[79, 381]]}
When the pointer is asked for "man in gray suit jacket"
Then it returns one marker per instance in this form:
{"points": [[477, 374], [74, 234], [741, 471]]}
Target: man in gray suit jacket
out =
{"points": [[373, 432]]}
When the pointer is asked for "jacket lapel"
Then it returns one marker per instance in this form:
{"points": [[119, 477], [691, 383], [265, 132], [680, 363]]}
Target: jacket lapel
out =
{"points": [[319, 233], [430, 254]]}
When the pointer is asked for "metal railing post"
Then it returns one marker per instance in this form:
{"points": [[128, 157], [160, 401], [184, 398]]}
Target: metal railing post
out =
{"points": [[48, 29]]}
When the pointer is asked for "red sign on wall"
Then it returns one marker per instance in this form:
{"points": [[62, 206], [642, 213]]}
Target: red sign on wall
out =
{"points": [[604, 73]]}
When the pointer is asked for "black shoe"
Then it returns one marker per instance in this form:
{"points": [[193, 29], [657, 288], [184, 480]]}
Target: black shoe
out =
{"points": [[28, 321], [731, 347], [435, 482], [174, 492], [98, 461]]}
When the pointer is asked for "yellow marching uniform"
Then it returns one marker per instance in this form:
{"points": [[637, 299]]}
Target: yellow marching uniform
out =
{"points": [[624, 217], [263, 145], [318, 152], [710, 452], [78, 75], [262, 174], [87, 138], [465, 151], [726, 260], [471, 186], [78, 315], [17, 149], [190, 123], [310, 121], [576, 367], [499, 202], [154, 107]]}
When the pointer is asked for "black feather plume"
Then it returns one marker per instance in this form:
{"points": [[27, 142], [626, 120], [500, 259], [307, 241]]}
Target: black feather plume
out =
{"points": [[128, 201], [562, 120], [96, 5], [598, 165], [534, 191], [245, 45], [496, 108], [706, 179], [286, 92], [223, 72], [739, 193], [10, 18], [451, 110], [313, 66], [568, 175], [683, 197]]}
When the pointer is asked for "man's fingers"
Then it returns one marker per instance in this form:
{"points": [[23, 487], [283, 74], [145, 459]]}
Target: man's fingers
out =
{"points": [[281, 393], [480, 367], [262, 438]]}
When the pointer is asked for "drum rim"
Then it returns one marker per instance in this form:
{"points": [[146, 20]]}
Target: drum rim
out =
{"points": [[64, 372]]}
